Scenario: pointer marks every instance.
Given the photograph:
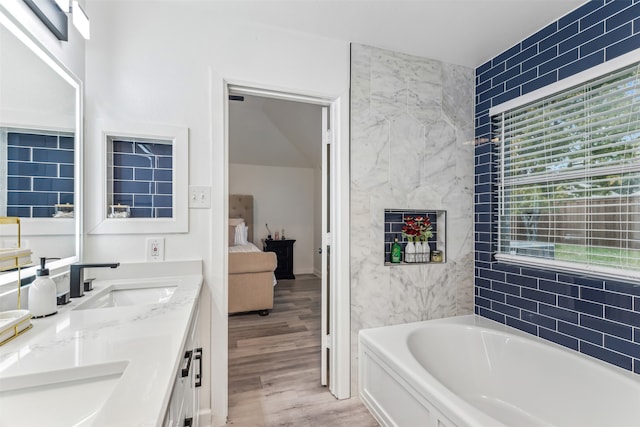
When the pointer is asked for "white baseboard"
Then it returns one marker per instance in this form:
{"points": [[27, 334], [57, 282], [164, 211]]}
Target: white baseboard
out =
{"points": [[304, 271]]}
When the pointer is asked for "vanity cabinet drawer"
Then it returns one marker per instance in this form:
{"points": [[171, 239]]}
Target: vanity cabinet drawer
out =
{"points": [[183, 407]]}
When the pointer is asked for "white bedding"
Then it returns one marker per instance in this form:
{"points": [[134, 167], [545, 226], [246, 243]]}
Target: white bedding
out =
{"points": [[249, 247]]}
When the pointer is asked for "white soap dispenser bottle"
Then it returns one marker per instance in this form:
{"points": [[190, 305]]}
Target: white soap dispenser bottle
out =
{"points": [[42, 293]]}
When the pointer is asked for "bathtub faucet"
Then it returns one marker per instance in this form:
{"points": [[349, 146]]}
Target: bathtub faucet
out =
{"points": [[77, 284]]}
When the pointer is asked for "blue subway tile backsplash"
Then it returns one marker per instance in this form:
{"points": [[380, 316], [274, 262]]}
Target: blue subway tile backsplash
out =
{"points": [[40, 169], [598, 317], [143, 178]]}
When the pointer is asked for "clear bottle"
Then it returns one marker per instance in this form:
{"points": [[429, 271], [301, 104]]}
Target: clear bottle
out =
{"points": [[396, 251], [42, 293]]}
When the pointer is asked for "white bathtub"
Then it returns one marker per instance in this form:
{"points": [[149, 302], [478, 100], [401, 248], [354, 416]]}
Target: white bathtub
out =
{"points": [[471, 371]]}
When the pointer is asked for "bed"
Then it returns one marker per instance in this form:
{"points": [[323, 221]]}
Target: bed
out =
{"points": [[251, 271]]}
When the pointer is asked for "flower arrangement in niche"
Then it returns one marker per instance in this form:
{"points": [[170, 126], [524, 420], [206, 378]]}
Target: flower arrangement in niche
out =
{"points": [[416, 229]]}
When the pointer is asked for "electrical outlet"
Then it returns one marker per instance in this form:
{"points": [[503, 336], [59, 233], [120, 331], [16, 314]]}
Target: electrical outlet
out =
{"points": [[199, 197], [155, 249]]}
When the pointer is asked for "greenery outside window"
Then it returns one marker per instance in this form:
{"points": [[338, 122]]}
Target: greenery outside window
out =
{"points": [[569, 177]]}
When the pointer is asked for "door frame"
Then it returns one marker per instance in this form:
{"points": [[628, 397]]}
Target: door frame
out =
{"points": [[340, 260]]}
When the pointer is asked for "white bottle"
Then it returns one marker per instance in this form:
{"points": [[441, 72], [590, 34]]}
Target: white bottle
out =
{"points": [[42, 293]]}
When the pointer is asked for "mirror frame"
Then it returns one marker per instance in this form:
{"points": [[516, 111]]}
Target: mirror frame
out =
{"points": [[105, 130], [33, 44]]}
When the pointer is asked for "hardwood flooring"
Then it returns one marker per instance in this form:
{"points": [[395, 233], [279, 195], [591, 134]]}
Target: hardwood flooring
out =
{"points": [[274, 365]]}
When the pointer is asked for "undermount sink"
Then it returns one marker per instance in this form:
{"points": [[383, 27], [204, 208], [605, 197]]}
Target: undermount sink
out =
{"points": [[66, 397], [129, 294]]}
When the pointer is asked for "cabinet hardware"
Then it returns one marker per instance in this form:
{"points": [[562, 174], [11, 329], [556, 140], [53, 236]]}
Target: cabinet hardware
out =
{"points": [[198, 357], [186, 369], [188, 422]]}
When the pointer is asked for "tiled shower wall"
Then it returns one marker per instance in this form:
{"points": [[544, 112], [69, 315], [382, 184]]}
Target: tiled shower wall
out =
{"points": [[597, 317], [411, 148]]}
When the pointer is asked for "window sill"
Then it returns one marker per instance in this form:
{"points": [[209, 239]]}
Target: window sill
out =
{"points": [[607, 273]]}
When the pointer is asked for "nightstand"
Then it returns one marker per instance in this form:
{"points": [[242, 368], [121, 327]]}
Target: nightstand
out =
{"points": [[284, 253]]}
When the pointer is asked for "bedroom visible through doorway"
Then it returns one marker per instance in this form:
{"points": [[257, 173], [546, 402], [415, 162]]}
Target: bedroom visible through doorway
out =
{"points": [[277, 149]]}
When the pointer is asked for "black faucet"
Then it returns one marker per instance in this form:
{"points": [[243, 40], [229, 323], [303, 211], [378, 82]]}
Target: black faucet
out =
{"points": [[76, 279]]}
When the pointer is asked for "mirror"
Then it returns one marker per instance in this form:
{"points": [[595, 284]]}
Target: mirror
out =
{"points": [[39, 149]]}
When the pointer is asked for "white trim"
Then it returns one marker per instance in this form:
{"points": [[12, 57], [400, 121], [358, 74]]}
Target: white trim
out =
{"points": [[340, 304], [179, 137], [566, 83], [326, 173], [574, 269], [275, 94]]}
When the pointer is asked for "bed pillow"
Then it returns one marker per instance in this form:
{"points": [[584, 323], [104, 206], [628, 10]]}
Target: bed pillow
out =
{"points": [[232, 235], [236, 221], [233, 223], [241, 234]]}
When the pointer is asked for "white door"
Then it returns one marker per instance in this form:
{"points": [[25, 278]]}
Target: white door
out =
{"points": [[325, 251]]}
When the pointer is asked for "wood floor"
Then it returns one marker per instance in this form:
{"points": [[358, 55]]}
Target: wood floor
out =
{"points": [[274, 365]]}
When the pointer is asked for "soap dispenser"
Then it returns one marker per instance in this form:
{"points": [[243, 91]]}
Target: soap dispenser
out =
{"points": [[42, 293]]}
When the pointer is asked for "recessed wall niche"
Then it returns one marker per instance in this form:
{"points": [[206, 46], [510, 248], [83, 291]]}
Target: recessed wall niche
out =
{"points": [[144, 179], [395, 220], [141, 183]]}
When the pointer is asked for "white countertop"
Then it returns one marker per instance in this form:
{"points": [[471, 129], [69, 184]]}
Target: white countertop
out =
{"points": [[149, 337]]}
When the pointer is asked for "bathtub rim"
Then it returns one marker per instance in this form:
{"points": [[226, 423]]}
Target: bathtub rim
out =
{"points": [[448, 402]]}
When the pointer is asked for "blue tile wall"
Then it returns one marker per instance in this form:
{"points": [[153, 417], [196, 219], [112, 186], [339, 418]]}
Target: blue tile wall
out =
{"points": [[143, 178], [39, 173], [393, 222], [598, 317]]}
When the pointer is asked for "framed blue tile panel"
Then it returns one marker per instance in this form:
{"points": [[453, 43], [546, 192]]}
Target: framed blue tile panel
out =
{"points": [[40, 169], [143, 177], [595, 316]]}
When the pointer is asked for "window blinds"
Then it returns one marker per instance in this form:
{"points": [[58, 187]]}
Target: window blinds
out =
{"points": [[569, 176]]}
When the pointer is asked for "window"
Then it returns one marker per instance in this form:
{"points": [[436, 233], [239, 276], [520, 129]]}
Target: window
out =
{"points": [[569, 177]]}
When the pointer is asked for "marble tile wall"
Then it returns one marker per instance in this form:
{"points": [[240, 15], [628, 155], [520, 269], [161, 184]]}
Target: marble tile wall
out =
{"points": [[411, 148]]}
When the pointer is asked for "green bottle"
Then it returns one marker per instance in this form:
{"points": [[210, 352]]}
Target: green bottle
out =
{"points": [[396, 251]]}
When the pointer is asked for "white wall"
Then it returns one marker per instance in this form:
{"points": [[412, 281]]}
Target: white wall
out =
{"points": [[166, 62], [283, 198]]}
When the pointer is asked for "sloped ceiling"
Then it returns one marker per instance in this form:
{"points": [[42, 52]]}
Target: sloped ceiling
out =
{"points": [[273, 132]]}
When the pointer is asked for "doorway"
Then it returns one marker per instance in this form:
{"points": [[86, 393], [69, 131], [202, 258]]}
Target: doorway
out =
{"points": [[338, 336], [279, 155]]}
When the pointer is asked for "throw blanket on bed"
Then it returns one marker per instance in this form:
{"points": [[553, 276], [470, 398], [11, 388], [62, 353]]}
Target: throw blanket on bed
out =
{"points": [[249, 247]]}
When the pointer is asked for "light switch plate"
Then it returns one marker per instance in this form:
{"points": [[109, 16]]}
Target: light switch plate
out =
{"points": [[199, 197]]}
